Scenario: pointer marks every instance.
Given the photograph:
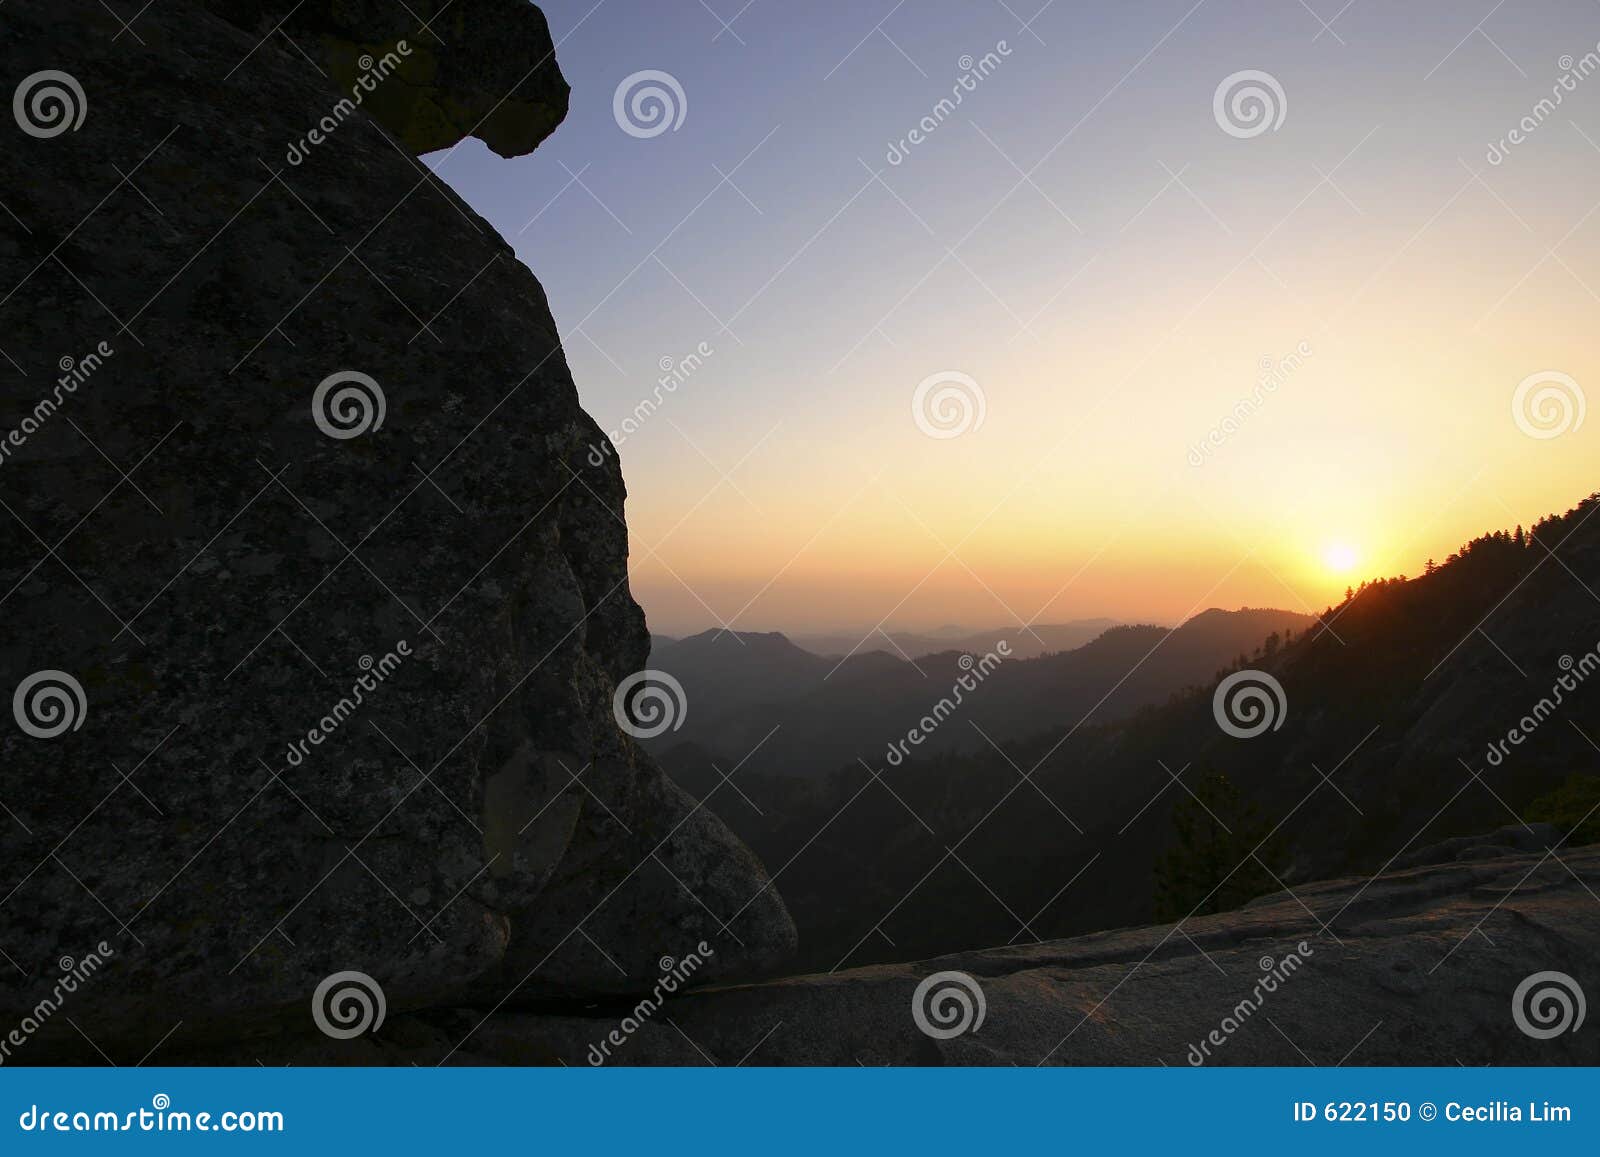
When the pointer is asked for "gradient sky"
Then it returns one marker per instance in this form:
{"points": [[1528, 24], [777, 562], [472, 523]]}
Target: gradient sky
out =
{"points": [[1113, 307]]}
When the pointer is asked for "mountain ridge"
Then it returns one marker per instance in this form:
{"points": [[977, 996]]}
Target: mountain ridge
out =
{"points": [[1393, 700], [831, 712]]}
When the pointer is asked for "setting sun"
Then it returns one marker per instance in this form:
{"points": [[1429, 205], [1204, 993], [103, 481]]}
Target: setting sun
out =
{"points": [[1340, 557]]}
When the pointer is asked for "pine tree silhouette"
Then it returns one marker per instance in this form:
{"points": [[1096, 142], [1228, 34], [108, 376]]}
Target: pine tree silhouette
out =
{"points": [[1221, 855]]}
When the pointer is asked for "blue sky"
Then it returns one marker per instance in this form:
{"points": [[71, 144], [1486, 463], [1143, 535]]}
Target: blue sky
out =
{"points": [[1083, 241]]}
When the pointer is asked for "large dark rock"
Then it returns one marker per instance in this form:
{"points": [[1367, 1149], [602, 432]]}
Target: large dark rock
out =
{"points": [[484, 68], [216, 572]]}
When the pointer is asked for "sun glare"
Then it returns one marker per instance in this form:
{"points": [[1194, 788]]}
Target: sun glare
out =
{"points": [[1340, 557]]}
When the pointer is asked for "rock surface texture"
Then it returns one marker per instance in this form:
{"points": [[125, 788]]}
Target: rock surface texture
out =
{"points": [[1416, 967], [217, 557]]}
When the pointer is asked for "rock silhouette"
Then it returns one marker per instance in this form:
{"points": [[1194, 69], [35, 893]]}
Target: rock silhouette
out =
{"points": [[418, 563]]}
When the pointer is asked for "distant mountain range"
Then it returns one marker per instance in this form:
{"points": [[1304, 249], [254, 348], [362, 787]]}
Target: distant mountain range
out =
{"points": [[761, 700], [1025, 642], [1419, 710]]}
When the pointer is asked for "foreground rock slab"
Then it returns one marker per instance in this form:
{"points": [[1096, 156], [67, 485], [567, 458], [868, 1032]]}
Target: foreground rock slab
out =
{"points": [[1415, 967]]}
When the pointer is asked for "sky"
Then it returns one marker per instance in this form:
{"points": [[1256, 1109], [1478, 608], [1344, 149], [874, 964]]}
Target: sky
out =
{"points": [[1097, 253]]}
